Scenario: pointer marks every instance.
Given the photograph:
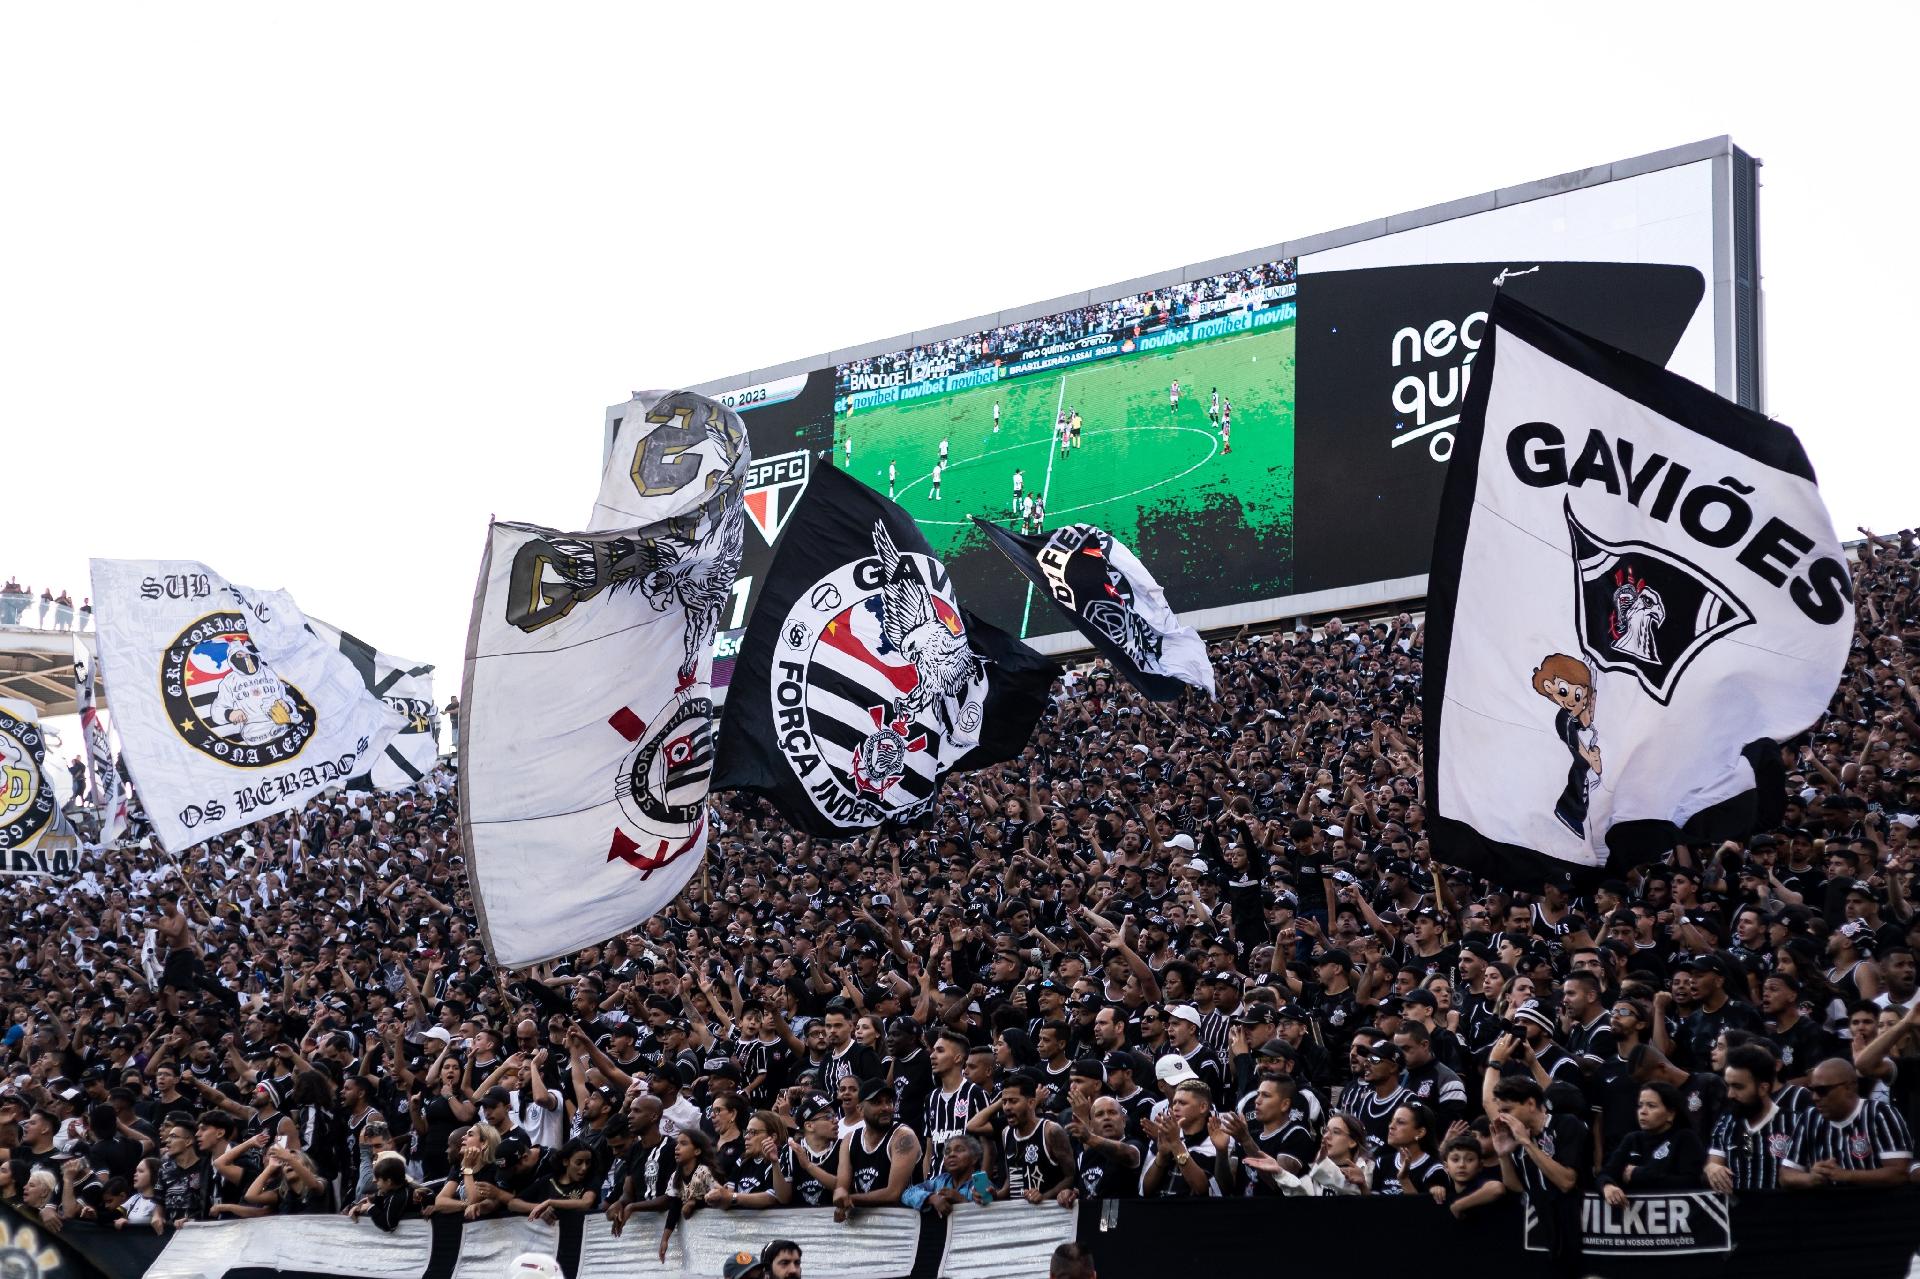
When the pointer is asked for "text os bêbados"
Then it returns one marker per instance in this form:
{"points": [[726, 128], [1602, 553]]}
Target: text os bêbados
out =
{"points": [[1714, 512]]}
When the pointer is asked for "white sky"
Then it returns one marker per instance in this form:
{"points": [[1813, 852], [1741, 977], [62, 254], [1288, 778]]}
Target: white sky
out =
{"points": [[306, 292]]}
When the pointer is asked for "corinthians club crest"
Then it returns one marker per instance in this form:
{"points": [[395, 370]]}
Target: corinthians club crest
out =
{"points": [[1644, 611], [662, 781], [226, 701], [876, 690], [26, 801]]}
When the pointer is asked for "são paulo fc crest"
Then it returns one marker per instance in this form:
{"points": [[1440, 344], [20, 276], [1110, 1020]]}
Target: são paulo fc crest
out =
{"points": [[225, 701], [662, 781], [876, 689], [26, 801], [773, 489], [1644, 611]]}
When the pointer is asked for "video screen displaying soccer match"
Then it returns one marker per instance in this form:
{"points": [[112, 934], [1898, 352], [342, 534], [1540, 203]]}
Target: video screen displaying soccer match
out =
{"points": [[1165, 417]]}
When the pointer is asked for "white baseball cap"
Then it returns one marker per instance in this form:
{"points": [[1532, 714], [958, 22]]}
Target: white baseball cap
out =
{"points": [[534, 1265], [1186, 1013], [1173, 1069]]}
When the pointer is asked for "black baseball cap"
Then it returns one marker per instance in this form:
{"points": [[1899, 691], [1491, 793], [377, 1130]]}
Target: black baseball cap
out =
{"points": [[513, 1147], [1257, 1015], [875, 1089]]}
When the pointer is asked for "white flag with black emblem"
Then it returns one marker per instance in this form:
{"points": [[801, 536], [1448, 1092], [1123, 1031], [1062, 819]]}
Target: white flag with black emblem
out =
{"points": [[1636, 594], [408, 688], [35, 836], [586, 725], [229, 707]]}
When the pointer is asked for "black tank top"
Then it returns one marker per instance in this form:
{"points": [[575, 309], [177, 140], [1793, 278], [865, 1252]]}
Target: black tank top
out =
{"points": [[1028, 1163], [870, 1167], [807, 1190]]}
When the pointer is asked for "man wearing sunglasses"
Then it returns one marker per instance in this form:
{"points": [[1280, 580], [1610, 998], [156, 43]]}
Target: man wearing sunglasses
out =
{"points": [[1846, 1139]]}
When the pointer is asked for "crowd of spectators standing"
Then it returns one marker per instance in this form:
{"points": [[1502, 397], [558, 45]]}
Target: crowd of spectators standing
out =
{"points": [[56, 612], [1134, 314], [1197, 952]]}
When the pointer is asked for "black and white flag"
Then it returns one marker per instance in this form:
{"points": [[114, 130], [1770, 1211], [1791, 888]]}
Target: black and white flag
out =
{"points": [[405, 686], [861, 682], [1109, 595], [1636, 593], [104, 790]]}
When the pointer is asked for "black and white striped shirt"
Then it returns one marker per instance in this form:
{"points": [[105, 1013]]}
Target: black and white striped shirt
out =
{"points": [[1868, 1138], [947, 1115], [1752, 1153], [1374, 1114]]}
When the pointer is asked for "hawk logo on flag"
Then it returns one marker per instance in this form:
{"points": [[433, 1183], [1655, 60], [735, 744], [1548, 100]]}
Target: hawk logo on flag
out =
{"points": [[1644, 611], [662, 781], [226, 702], [26, 801], [884, 687], [774, 484]]}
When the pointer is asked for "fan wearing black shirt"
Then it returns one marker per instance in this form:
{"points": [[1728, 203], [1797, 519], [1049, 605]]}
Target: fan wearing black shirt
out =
{"points": [[845, 1055], [1543, 1156], [911, 1073], [1803, 1043], [1374, 1097], [1408, 1165], [1755, 1134], [1589, 1032], [1183, 1032], [1660, 1155], [1718, 1010], [1281, 1142]]}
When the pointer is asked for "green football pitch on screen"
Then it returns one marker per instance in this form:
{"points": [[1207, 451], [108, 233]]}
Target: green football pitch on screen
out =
{"points": [[1142, 465]]}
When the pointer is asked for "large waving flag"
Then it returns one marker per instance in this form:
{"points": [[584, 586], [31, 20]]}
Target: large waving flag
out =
{"points": [[1636, 594], [586, 732], [861, 681], [1111, 598], [229, 707], [408, 688]]}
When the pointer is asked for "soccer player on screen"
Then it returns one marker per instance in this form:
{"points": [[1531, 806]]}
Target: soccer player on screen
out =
{"points": [[1074, 421], [996, 417], [893, 477], [1213, 408], [943, 450], [1226, 428], [939, 467], [1019, 483], [1173, 398]]}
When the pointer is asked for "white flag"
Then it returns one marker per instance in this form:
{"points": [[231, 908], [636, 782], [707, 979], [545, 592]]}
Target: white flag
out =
{"points": [[1636, 593], [229, 706], [405, 686], [105, 791], [35, 837], [587, 723]]}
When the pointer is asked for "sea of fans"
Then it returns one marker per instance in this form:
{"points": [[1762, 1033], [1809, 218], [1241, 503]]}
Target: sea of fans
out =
{"points": [[1137, 312], [51, 612], [1198, 950]]}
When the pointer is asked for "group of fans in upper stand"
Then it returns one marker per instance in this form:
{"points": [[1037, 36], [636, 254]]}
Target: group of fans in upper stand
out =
{"points": [[1206, 954]]}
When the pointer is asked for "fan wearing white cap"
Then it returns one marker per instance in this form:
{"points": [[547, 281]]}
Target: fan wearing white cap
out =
{"points": [[1183, 1032], [534, 1265]]}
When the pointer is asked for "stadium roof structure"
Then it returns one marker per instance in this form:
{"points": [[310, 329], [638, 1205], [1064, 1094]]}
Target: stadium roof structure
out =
{"points": [[36, 667]]}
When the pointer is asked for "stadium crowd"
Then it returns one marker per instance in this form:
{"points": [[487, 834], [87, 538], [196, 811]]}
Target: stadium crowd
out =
{"points": [[1134, 314], [1197, 953]]}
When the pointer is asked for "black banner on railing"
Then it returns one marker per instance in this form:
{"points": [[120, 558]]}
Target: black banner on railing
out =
{"points": [[1677, 1225]]}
